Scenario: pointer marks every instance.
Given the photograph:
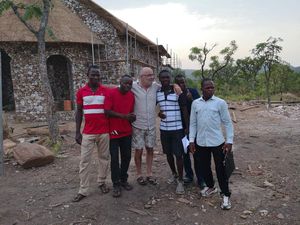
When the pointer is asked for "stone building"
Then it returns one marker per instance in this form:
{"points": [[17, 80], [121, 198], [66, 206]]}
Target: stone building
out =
{"points": [[84, 33]]}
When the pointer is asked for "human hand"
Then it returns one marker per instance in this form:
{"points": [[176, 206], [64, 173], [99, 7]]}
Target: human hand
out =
{"points": [[177, 89], [192, 147], [131, 117], [227, 148], [189, 96], [162, 115], [78, 138]]}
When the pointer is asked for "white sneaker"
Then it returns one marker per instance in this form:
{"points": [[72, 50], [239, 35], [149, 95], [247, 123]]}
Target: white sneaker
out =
{"points": [[226, 204], [180, 188], [205, 192], [173, 179]]}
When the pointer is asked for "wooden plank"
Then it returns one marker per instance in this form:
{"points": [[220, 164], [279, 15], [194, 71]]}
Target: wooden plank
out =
{"points": [[250, 107]]}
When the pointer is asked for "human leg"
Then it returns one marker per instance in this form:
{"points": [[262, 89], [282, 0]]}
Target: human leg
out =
{"points": [[204, 158], [189, 175], [220, 170], [166, 142], [150, 139], [87, 146], [125, 149], [102, 142], [114, 161], [197, 163], [138, 144]]}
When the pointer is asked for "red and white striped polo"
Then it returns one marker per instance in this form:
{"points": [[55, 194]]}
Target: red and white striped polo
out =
{"points": [[93, 109]]}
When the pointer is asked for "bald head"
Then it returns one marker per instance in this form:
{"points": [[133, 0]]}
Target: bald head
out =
{"points": [[146, 77], [146, 71]]}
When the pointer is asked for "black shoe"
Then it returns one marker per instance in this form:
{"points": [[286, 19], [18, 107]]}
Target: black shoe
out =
{"points": [[116, 191], [187, 180], [78, 198], [126, 186]]}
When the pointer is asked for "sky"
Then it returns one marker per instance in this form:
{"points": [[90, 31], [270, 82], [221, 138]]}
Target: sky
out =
{"points": [[181, 25]]}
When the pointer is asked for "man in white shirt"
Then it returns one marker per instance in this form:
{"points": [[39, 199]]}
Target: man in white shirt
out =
{"points": [[208, 113]]}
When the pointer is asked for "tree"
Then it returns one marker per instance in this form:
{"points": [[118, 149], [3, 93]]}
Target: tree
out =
{"points": [[177, 71], [249, 67], [280, 79], [200, 54], [268, 54], [216, 65], [28, 14]]}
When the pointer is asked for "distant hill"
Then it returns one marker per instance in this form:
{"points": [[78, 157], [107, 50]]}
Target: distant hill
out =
{"points": [[188, 72], [296, 69]]}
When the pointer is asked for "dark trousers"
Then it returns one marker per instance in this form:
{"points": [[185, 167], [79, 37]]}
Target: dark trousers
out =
{"points": [[202, 157], [119, 172], [189, 171], [188, 165]]}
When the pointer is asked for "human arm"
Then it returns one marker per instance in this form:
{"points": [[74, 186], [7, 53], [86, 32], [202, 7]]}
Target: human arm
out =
{"points": [[129, 116], [226, 121], [193, 127], [182, 100], [78, 120]]}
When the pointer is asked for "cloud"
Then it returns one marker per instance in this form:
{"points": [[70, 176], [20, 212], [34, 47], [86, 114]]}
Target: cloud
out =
{"points": [[173, 24], [181, 26]]}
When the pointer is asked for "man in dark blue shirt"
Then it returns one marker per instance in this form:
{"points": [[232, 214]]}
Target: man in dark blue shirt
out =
{"points": [[190, 95]]}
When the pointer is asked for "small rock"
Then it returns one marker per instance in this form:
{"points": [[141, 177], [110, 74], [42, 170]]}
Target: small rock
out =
{"points": [[247, 212], [183, 200], [263, 212], [280, 216], [147, 206], [244, 216], [268, 184]]}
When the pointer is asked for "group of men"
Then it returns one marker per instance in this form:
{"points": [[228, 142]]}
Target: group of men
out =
{"points": [[123, 118]]}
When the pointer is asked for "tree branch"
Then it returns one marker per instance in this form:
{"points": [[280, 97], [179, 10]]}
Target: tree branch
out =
{"points": [[30, 28]]}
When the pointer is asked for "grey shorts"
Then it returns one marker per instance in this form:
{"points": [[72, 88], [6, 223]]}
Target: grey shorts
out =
{"points": [[143, 138]]}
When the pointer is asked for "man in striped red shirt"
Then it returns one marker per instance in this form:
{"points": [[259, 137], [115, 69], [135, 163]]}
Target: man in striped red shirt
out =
{"points": [[90, 103]]}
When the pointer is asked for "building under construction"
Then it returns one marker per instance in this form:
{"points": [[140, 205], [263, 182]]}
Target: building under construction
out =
{"points": [[84, 33]]}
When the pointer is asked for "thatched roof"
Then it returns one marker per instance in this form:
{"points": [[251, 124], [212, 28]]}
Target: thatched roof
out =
{"points": [[66, 26]]}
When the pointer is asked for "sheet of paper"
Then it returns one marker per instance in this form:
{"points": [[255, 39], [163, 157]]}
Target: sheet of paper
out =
{"points": [[185, 143]]}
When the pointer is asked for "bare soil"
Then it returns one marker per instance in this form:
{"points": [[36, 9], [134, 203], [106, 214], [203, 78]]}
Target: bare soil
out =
{"points": [[265, 185]]}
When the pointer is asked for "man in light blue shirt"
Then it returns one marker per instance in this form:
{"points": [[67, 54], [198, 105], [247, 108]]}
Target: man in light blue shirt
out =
{"points": [[208, 114]]}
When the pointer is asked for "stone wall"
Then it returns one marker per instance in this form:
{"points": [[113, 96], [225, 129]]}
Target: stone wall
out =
{"points": [[29, 100]]}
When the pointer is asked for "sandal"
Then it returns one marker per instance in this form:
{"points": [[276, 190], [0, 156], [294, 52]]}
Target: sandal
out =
{"points": [[151, 180], [78, 198], [141, 180], [104, 189]]}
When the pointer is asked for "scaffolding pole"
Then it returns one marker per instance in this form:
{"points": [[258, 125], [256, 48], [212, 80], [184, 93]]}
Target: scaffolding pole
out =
{"points": [[99, 54], [127, 54], [157, 48], [1, 122], [171, 57], [93, 54]]}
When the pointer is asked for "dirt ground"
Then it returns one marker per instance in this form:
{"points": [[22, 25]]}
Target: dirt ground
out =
{"points": [[265, 186]]}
